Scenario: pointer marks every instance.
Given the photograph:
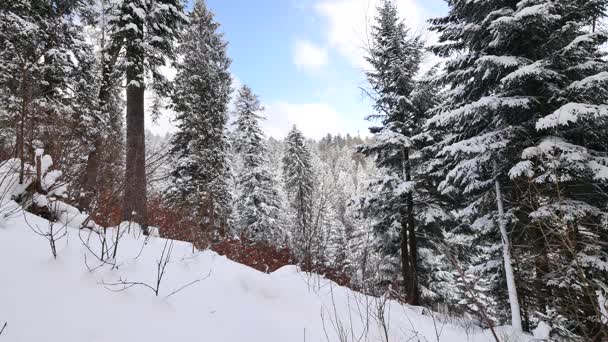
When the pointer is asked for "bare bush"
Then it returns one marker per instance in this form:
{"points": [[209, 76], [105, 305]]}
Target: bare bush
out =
{"points": [[53, 232]]}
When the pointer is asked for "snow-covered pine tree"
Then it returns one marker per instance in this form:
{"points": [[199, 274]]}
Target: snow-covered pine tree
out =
{"points": [[511, 66], [258, 202], [564, 175], [298, 177], [403, 215], [490, 121], [201, 168], [147, 32]]}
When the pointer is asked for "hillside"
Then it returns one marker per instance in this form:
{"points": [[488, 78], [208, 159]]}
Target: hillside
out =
{"points": [[72, 298]]}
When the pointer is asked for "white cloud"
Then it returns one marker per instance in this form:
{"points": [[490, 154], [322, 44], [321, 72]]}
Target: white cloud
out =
{"points": [[315, 120], [308, 56], [347, 24]]}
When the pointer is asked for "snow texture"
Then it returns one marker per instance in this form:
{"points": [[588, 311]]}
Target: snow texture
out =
{"points": [[59, 300]]}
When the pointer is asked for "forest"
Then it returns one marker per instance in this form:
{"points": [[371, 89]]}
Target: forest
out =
{"points": [[480, 190]]}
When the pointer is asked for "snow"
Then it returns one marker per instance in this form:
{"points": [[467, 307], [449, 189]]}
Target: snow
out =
{"points": [[542, 331], [522, 168], [69, 216], [504, 61], [490, 103], [9, 179], [535, 70], [603, 304], [590, 81], [541, 10], [45, 163], [570, 113], [44, 299]]}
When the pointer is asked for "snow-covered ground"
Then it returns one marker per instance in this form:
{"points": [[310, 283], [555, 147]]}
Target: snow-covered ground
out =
{"points": [[43, 299]]}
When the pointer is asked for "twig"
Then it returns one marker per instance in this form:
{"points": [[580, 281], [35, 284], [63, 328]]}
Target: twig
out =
{"points": [[3, 327], [189, 284]]}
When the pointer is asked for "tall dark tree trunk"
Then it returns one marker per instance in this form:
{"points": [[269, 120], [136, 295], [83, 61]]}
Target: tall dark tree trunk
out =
{"points": [[408, 239], [134, 205]]}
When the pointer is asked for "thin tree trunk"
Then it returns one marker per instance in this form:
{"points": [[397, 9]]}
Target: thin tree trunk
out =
{"points": [[412, 297], [506, 253], [405, 255], [21, 131], [134, 206], [38, 184]]}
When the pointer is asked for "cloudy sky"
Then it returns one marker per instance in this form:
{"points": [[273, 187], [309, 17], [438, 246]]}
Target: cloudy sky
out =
{"points": [[304, 58]]}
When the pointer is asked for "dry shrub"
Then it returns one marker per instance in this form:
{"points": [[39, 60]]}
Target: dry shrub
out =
{"points": [[175, 225], [109, 210], [261, 256]]}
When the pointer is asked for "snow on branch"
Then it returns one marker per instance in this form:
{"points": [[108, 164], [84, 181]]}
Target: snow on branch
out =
{"points": [[492, 103], [571, 113]]}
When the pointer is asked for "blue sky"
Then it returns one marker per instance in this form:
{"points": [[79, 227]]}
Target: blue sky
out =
{"points": [[304, 58]]}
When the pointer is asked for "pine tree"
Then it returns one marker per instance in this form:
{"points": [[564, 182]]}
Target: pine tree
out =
{"points": [[514, 60], [566, 166], [201, 171], [489, 125], [395, 58], [258, 202], [146, 31], [298, 177]]}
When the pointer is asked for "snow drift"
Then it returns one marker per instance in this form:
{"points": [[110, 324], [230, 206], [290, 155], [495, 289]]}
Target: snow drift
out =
{"points": [[78, 298]]}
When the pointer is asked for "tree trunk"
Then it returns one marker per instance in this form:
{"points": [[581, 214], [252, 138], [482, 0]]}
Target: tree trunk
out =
{"points": [[506, 253], [134, 206], [412, 296], [89, 182], [405, 255], [25, 99], [38, 184]]}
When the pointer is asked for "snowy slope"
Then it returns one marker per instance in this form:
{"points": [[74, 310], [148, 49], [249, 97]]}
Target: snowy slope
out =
{"points": [[43, 299]]}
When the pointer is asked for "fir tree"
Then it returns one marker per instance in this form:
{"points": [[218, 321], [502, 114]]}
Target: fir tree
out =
{"points": [[258, 202], [298, 177], [147, 32], [395, 58], [514, 59], [566, 206], [199, 148]]}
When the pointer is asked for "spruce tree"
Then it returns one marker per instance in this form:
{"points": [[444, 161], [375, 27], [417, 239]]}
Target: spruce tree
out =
{"points": [[146, 31], [401, 105], [201, 168], [298, 177], [516, 66], [258, 201], [566, 206]]}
